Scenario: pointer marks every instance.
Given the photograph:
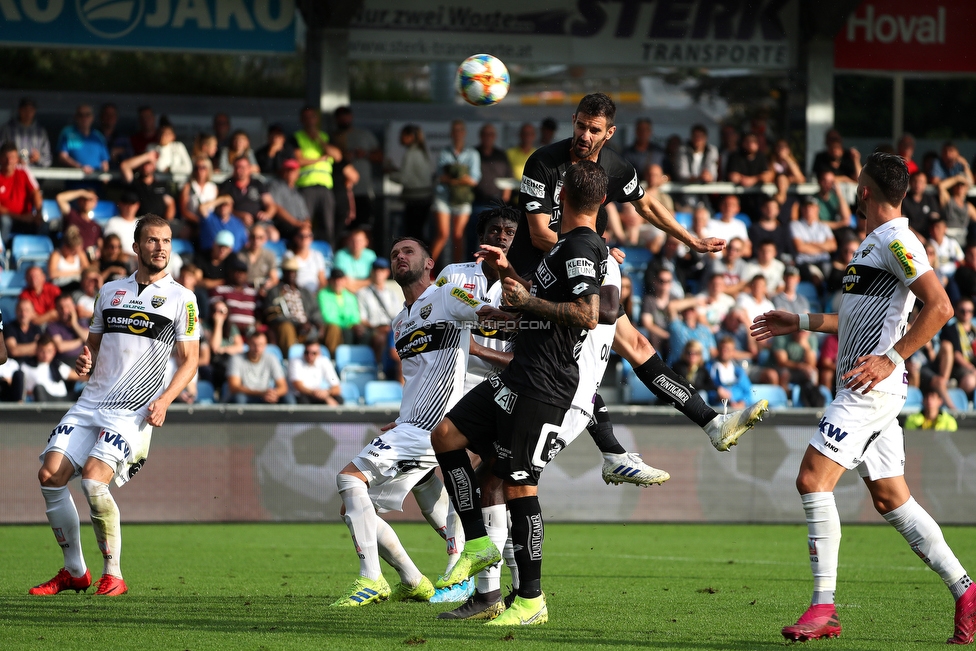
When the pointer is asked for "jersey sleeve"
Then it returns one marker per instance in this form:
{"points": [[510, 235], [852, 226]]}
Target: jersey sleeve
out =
{"points": [[583, 266], [537, 178], [97, 324], [906, 257], [459, 303], [187, 319], [631, 190]]}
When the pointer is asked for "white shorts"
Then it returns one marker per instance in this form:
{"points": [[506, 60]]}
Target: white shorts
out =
{"points": [[393, 463], [120, 438], [441, 206], [862, 431], [573, 425]]}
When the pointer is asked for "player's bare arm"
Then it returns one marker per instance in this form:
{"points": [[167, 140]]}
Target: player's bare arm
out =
{"points": [[654, 213], [609, 304], [542, 237], [583, 312], [494, 357], [187, 358], [86, 361], [495, 258], [777, 323], [937, 310]]}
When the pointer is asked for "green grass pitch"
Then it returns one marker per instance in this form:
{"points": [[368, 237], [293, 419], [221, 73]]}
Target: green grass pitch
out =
{"points": [[609, 586]]}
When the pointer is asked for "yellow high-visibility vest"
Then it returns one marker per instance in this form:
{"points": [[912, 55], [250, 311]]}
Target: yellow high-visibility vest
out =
{"points": [[319, 173]]}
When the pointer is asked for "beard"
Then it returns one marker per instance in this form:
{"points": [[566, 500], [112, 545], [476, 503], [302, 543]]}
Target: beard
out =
{"points": [[409, 276], [151, 265]]}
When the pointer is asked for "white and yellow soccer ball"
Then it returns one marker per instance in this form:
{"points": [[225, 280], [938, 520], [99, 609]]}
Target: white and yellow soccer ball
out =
{"points": [[482, 80]]}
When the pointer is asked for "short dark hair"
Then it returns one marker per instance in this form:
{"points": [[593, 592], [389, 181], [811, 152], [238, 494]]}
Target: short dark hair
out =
{"points": [[585, 186], [423, 245], [890, 173], [45, 340], [8, 147], [342, 110], [146, 221], [598, 105], [496, 211], [699, 127]]}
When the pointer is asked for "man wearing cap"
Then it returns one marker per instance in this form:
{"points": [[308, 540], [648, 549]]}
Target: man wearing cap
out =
{"points": [[290, 310], [223, 219], [28, 136], [340, 311], [277, 151], [379, 303], [292, 210], [124, 224], [239, 296], [213, 263]]}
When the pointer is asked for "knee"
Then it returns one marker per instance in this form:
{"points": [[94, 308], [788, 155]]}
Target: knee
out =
{"points": [[439, 437], [48, 479], [806, 482]]}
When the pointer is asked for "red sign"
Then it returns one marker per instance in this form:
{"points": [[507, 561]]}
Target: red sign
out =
{"points": [[907, 35]]}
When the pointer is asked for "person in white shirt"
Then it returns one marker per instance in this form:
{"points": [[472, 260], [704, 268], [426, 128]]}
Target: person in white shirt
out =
{"points": [[45, 382], [379, 302], [948, 253], [172, 156], [313, 378], [725, 225]]}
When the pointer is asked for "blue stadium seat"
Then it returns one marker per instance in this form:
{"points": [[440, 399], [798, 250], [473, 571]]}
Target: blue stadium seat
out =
{"points": [[183, 247], [637, 258], [809, 291], [8, 306], [744, 218], [104, 211], [914, 400], [324, 248], [12, 282], [683, 218], [358, 377], [31, 248], [959, 399], [275, 351], [795, 395], [278, 248], [295, 351], [205, 393], [50, 210], [774, 393], [350, 393], [383, 392], [361, 357]]}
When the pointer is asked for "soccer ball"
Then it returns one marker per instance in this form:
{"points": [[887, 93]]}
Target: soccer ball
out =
{"points": [[482, 80]]}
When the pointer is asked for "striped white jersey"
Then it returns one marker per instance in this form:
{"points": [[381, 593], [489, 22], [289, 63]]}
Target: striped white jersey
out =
{"points": [[874, 311], [594, 349], [432, 339], [138, 332], [470, 276]]}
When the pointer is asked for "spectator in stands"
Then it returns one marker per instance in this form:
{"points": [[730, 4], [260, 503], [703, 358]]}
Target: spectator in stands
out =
{"points": [[271, 156], [919, 205], [786, 170], [656, 313], [726, 225], [44, 380], [42, 294], [754, 300], [547, 132], [146, 135], [123, 225], [749, 167], [731, 381], [221, 128], [113, 263], [257, 377], [951, 163], [225, 341], [81, 147], [686, 328], [28, 137], [313, 378], [842, 258], [627, 296], [934, 263], [458, 172], [643, 153], [312, 265], [955, 208], [140, 173], [80, 216], [361, 149], [957, 359], [11, 377], [205, 144], [69, 332], [415, 175], [731, 266], [291, 310], [252, 201], [91, 282], [796, 357], [768, 228], [494, 166], [262, 267], [965, 276], [728, 144], [356, 259], [119, 145], [197, 195], [66, 262], [813, 241], [672, 161], [948, 253], [222, 219], [379, 302], [172, 156], [844, 163], [834, 211], [214, 263], [237, 294], [691, 365], [932, 417], [698, 160], [519, 154], [291, 211], [20, 197], [637, 232], [238, 149], [340, 311], [827, 362], [317, 155], [715, 302], [906, 149], [655, 179], [21, 333], [789, 299]]}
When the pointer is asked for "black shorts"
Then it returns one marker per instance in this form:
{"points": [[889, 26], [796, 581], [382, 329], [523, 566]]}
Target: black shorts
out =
{"points": [[520, 432]]}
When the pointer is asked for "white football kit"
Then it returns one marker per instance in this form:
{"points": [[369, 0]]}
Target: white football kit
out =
{"points": [[861, 431], [139, 330], [431, 337]]}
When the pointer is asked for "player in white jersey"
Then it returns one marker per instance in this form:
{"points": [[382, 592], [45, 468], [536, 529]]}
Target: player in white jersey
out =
{"points": [[860, 429], [431, 337], [138, 322]]}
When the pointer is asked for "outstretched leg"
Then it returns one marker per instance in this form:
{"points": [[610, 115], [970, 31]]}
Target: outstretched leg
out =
{"points": [[360, 516]]}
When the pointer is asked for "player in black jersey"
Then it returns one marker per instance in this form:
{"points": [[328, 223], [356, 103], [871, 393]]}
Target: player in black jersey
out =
{"points": [[517, 415], [542, 181]]}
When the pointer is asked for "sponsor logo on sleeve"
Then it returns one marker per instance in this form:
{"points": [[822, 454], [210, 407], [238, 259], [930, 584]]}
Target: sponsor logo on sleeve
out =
{"points": [[904, 258], [545, 276], [559, 188], [118, 298], [579, 289], [441, 281], [191, 319], [630, 187], [533, 188], [580, 267], [464, 297], [532, 206]]}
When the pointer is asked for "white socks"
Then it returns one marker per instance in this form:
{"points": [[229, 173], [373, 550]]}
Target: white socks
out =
{"points": [[106, 522], [926, 540], [496, 524], [361, 519], [823, 526], [63, 517], [393, 553], [508, 553]]}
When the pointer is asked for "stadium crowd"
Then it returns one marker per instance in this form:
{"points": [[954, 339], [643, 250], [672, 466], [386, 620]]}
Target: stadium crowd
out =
{"points": [[279, 253]]}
